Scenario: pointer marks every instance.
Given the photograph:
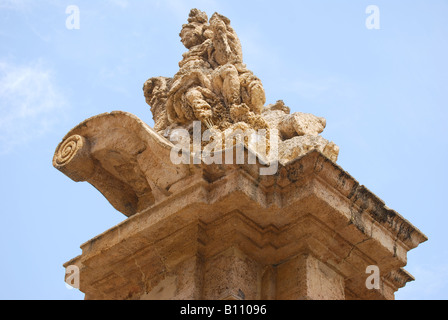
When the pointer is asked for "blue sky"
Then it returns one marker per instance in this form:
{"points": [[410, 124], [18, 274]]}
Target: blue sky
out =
{"points": [[383, 92]]}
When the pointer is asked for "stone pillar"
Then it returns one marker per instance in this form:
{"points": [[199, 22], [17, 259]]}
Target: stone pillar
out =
{"points": [[232, 275], [305, 277], [199, 229], [193, 232]]}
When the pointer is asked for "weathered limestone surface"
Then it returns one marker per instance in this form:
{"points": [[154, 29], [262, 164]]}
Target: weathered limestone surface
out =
{"points": [[214, 86], [122, 157], [226, 231]]}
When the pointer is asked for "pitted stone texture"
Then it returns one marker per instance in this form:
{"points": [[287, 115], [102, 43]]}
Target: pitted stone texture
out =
{"points": [[295, 147], [214, 86], [226, 232]]}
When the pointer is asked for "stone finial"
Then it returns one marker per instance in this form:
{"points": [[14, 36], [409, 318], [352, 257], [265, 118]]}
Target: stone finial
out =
{"points": [[215, 87]]}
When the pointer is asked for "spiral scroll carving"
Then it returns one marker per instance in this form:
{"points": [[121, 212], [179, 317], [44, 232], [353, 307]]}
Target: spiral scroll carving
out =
{"points": [[72, 157], [68, 150]]}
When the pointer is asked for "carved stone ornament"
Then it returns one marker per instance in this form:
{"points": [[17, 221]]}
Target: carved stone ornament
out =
{"points": [[269, 215], [129, 162], [214, 86]]}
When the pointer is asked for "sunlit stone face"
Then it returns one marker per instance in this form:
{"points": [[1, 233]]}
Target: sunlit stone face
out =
{"points": [[191, 35]]}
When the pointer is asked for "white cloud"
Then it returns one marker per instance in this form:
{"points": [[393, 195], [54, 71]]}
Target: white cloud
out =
{"points": [[30, 103], [15, 4]]}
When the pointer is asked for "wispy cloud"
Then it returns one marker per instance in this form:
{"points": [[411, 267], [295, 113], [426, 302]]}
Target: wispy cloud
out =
{"points": [[30, 103], [21, 5]]}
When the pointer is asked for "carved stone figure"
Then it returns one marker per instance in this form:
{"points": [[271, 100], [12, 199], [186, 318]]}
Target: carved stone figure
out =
{"points": [[292, 225], [214, 86]]}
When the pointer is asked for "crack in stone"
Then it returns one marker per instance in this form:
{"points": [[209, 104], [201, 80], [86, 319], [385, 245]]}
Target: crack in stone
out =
{"points": [[353, 248], [359, 243]]}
